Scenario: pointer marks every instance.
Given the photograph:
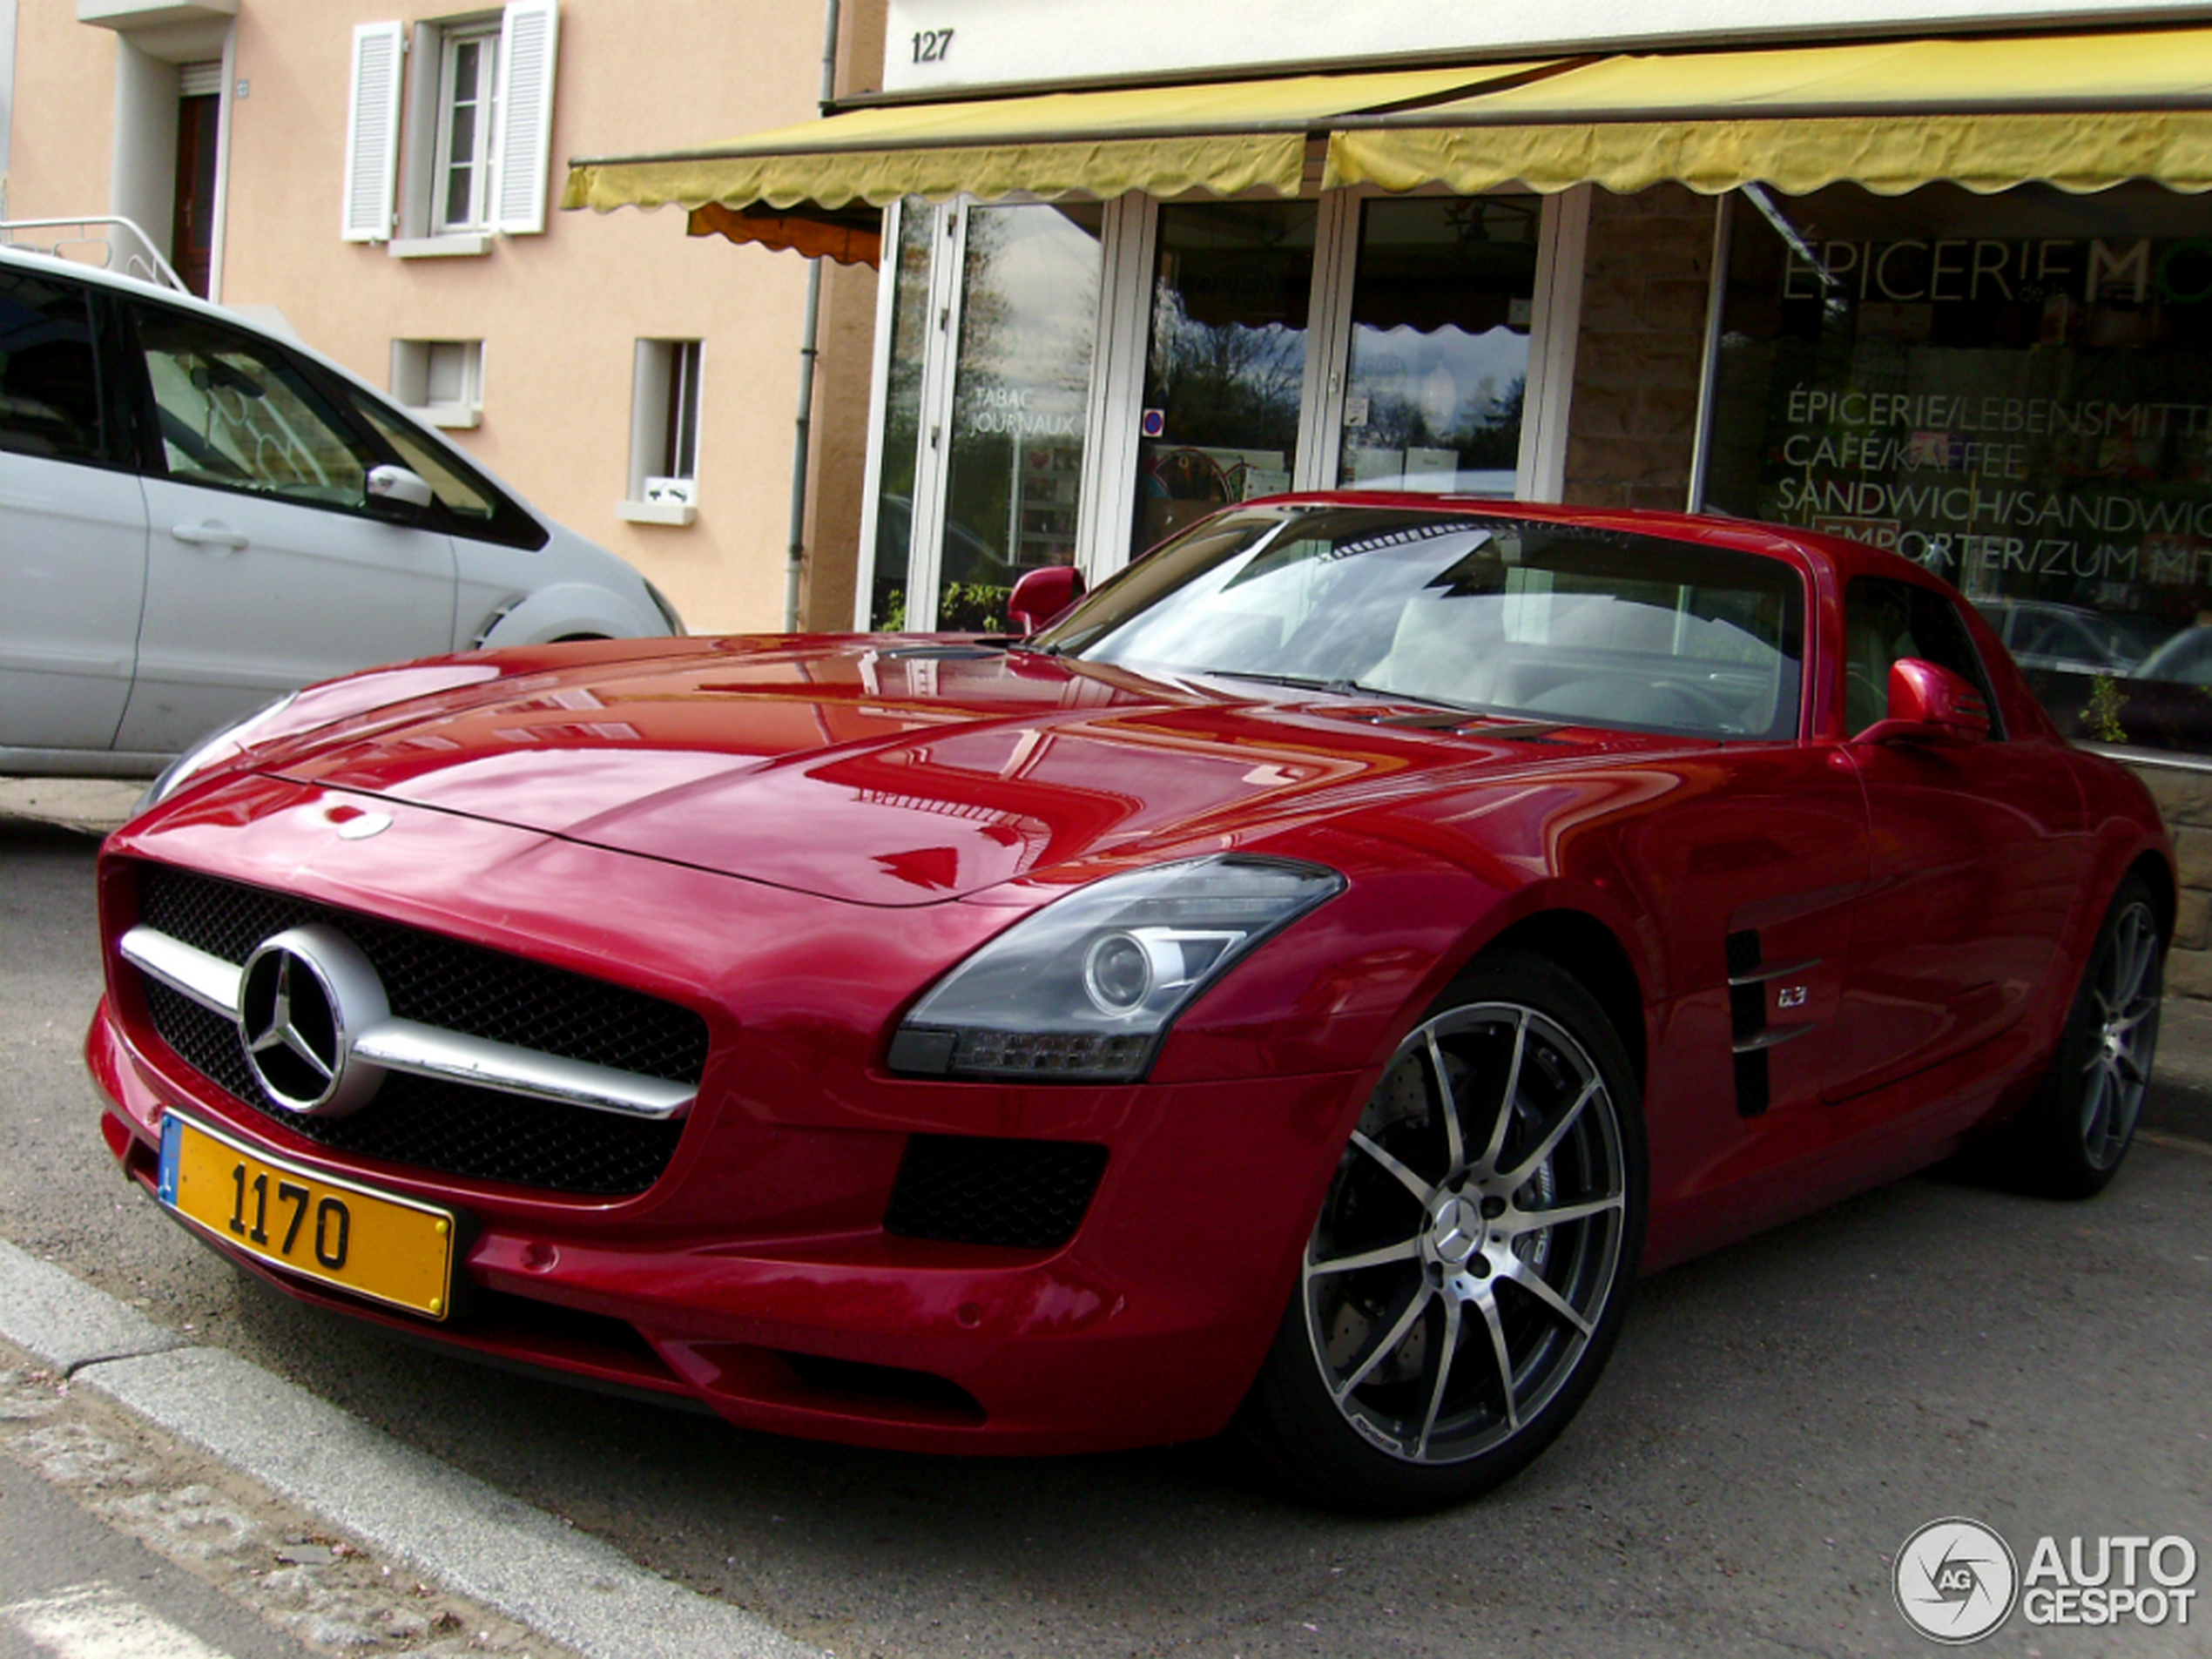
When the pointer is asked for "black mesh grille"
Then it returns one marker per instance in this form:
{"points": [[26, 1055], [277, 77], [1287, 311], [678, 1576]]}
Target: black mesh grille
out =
{"points": [[1025, 1194], [447, 1127]]}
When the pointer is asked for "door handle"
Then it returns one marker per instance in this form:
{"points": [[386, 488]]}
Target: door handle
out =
{"points": [[220, 536]]}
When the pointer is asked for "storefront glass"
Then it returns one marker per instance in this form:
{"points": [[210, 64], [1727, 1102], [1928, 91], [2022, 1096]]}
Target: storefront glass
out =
{"points": [[1440, 344], [895, 505], [1028, 320], [1226, 368], [2010, 390]]}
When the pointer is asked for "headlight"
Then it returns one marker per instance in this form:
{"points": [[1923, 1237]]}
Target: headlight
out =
{"points": [[1085, 989], [220, 745]]}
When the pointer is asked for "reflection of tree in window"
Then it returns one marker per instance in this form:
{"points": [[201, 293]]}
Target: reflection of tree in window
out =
{"points": [[1438, 369], [1237, 383], [1028, 302]]}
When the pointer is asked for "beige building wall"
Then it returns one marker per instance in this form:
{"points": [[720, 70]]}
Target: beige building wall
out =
{"points": [[558, 312]]}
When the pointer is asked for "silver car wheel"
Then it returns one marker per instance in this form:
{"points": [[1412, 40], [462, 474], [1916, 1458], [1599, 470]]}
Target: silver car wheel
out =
{"points": [[1473, 1235]]}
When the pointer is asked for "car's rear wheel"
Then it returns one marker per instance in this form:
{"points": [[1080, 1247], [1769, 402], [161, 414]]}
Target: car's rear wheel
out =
{"points": [[1468, 1274], [2072, 1135]]}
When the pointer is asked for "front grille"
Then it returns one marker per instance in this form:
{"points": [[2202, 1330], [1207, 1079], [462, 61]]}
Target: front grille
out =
{"points": [[427, 1124], [968, 1189]]}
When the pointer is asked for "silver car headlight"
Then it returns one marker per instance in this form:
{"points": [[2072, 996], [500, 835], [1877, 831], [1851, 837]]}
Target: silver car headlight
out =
{"points": [[1083, 990], [219, 744]]}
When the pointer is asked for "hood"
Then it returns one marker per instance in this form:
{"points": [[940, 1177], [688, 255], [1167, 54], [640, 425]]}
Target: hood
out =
{"points": [[886, 772]]}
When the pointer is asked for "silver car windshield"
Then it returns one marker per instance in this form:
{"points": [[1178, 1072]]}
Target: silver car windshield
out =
{"points": [[1556, 622]]}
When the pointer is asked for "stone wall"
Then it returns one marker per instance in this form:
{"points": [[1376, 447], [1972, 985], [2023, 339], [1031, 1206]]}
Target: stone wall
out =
{"points": [[1633, 425], [2184, 795]]}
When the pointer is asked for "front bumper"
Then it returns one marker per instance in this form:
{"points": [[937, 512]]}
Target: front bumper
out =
{"points": [[757, 1275], [1146, 1328]]}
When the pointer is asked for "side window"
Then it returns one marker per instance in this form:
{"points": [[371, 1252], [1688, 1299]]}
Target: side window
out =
{"points": [[460, 495], [237, 413], [472, 507], [1884, 621], [49, 400]]}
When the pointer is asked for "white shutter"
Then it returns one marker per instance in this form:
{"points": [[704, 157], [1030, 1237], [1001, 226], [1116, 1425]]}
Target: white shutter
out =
{"points": [[372, 134], [526, 44]]}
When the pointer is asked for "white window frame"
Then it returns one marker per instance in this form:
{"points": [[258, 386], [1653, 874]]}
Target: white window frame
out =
{"points": [[452, 41], [666, 379], [1554, 325]]}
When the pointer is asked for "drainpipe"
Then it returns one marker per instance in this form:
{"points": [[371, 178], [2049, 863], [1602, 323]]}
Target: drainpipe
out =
{"points": [[809, 351]]}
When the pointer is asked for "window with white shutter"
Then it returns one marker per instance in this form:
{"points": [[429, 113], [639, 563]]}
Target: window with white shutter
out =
{"points": [[371, 134], [476, 144], [525, 116]]}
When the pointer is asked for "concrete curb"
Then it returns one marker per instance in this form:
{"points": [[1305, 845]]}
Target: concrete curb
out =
{"points": [[446, 1525]]}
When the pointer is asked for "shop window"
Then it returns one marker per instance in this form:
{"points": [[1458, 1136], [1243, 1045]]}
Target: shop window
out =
{"points": [[442, 381], [466, 153], [981, 468], [2008, 390], [1067, 382], [1437, 373], [1225, 374], [664, 433]]}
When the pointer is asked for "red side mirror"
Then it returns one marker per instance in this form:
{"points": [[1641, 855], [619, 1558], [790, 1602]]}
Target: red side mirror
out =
{"points": [[1041, 595], [1929, 704]]}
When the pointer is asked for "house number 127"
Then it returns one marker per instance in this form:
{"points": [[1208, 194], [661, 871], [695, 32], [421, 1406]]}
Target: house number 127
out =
{"points": [[932, 44]]}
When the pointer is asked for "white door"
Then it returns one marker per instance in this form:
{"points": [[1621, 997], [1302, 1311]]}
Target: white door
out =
{"points": [[265, 569], [72, 528]]}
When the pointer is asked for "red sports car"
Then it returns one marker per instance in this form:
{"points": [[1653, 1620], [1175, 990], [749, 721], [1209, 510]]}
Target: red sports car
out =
{"points": [[1301, 987]]}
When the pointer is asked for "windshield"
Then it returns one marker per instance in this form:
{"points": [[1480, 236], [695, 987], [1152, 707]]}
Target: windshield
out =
{"points": [[1548, 622]]}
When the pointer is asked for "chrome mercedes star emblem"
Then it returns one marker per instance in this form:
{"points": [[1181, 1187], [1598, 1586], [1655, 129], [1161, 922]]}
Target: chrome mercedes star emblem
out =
{"points": [[303, 996]]}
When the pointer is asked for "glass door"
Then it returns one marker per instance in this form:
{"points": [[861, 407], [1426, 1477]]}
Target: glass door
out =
{"points": [[1437, 367], [1225, 371], [983, 444]]}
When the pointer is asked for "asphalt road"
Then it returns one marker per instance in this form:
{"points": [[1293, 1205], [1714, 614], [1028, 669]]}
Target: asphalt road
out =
{"points": [[1779, 1419]]}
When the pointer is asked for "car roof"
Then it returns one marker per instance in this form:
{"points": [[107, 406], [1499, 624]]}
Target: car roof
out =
{"points": [[31, 259]]}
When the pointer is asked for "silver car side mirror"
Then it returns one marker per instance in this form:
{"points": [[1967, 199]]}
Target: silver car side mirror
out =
{"points": [[394, 492]]}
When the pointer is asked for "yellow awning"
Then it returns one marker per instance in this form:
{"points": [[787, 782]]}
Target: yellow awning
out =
{"points": [[2083, 111], [1224, 138]]}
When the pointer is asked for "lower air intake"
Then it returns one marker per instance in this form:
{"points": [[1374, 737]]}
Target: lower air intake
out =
{"points": [[968, 1189]]}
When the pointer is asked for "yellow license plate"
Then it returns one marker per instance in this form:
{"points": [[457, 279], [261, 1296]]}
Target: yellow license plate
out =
{"points": [[389, 1248]]}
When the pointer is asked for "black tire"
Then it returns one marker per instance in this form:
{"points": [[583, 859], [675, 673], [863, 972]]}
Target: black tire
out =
{"points": [[1472, 1329], [2071, 1136]]}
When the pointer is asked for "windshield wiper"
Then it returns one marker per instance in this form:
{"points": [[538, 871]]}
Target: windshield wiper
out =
{"points": [[1296, 682], [1343, 688]]}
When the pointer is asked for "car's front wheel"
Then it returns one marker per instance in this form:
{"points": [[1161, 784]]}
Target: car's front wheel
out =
{"points": [[1468, 1271]]}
